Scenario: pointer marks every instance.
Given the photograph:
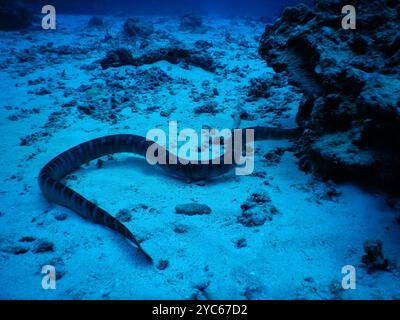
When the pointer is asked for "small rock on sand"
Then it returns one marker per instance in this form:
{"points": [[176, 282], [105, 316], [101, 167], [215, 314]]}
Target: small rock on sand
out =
{"points": [[180, 228], [27, 239], [162, 264], [124, 215], [191, 209], [14, 249], [60, 216]]}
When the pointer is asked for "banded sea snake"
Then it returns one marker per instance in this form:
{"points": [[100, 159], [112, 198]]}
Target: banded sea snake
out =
{"points": [[54, 190]]}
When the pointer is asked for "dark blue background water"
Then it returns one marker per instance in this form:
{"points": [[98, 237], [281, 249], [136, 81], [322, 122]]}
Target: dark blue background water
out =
{"points": [[268, 8]]}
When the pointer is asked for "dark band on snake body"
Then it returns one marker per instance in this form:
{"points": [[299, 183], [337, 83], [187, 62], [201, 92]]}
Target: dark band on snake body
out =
{"points": [[72, 159]]}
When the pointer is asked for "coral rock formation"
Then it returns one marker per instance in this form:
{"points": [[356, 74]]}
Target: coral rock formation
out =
{"points": [[256, 210], [351, 83], [117, 58], [373, 258]]}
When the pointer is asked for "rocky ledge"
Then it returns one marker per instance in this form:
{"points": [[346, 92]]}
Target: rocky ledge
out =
{"points": [[351, 83]]}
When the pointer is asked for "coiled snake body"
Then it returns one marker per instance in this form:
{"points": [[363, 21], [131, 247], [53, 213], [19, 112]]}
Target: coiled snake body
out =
{"points": [[68, 161]]}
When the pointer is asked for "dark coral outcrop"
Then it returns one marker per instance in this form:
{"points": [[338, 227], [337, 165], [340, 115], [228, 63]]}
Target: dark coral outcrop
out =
{"points": [[174, 55], [117, 58], [351, 83], [134, 27]]}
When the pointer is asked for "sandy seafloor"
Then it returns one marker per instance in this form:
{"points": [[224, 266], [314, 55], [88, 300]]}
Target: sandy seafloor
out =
{"points": [[297, 255]]}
